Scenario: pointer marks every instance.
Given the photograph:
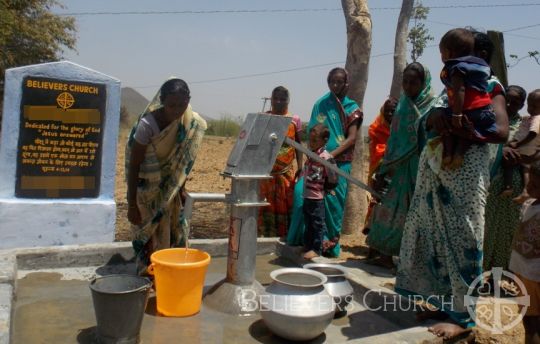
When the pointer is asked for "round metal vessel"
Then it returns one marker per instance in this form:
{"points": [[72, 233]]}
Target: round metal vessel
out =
{"points": [[337, 284], [296, 306]]}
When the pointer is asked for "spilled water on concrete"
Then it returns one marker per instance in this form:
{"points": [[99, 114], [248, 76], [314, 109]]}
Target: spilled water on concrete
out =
{"points": [[49, 309]]}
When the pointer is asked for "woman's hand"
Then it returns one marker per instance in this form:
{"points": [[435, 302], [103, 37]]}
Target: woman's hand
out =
{"points": [[512, 144], [134, 215], [379, 183], [438, 121], [466, 130], [297, 174], [511, 155]]}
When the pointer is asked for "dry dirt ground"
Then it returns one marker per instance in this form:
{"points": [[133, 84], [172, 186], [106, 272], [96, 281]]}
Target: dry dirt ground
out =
{"points": [[210, 220]]}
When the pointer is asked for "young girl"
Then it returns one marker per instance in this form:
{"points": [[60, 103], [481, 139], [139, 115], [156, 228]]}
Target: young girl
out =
{"points": [[466, 80], [525, 258], [527, 139], [317, 180]]}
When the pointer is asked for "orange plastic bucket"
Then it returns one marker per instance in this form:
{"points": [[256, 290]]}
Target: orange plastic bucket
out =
{"points": [[179, 280]]}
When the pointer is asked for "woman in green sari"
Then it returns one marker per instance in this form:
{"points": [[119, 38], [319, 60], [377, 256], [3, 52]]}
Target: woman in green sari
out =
{"points": [[400, 164], [343, 117], [160, 153], [502, 214]]}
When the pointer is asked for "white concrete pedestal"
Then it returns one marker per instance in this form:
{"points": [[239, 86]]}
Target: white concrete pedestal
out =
{"points": [[30, 223]]}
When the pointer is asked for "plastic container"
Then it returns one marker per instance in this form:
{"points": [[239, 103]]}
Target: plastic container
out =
{"points": [[119, 304], [179, 280]]}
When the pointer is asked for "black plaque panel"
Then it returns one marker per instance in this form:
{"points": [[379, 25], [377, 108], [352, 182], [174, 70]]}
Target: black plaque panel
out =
{"points": [[60, 138]]}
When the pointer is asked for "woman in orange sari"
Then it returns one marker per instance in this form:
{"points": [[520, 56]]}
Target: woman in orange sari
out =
{"points": [[274, 219], [379, 132]]}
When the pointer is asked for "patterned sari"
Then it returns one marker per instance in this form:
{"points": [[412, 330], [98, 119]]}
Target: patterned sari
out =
{"points": [[328, 110], [274, 219], [400, 163], [441, 249], [167, 162]]}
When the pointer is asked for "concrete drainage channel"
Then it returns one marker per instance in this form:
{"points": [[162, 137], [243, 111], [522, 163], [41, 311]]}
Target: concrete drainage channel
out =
{"points": [[367, 321]]}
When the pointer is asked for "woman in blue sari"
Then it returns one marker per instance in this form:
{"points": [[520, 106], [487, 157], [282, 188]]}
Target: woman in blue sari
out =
{"points": [[343, 117]]}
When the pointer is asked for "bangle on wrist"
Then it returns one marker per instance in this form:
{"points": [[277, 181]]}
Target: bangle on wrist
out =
{"points": [[454, 115]]}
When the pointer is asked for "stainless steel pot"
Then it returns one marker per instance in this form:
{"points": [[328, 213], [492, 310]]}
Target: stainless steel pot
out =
{"points": [[337, 284], [296, 306]]}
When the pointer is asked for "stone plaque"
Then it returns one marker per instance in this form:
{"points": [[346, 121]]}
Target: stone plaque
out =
{"points": [[60, 138]]}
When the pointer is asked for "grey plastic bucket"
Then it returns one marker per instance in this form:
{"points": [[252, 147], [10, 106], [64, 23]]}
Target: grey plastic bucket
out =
{"points": [[119, 304]]}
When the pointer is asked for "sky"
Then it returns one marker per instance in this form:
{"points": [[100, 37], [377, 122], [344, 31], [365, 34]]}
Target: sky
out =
{"points": [[231, 60]]}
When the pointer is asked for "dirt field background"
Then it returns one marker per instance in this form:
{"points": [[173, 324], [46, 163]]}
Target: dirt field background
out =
{"points": [[210, 220]]}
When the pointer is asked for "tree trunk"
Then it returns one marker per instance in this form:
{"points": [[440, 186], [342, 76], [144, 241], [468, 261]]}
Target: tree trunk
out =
{"points": [[400, 46], [358, 22], [498, 61]]}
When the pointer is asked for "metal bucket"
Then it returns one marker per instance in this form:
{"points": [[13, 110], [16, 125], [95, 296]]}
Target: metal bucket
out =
{"points": [[119, 304]]}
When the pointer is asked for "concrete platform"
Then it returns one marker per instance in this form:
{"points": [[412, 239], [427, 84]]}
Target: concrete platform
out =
{"points": [[53, 302]]}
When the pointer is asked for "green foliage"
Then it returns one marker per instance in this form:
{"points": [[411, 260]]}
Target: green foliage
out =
{"points": [[418, 34], [226, 126], [30, 33]]}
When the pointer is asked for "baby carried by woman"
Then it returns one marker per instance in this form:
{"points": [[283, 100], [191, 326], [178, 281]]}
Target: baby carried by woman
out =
{"points": [[466, 80]]}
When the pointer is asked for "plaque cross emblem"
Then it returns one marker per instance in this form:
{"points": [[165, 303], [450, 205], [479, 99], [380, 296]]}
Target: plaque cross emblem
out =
{"points": [[65, 100]]}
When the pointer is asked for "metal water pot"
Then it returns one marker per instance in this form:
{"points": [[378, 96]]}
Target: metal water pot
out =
{"points": [[337, 284], [296, 306]]}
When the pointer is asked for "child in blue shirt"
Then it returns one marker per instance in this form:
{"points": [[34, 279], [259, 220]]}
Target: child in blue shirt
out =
{"points": [[466, 80]]}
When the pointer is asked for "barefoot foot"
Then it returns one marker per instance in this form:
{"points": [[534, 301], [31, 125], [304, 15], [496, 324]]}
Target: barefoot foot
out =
{"points": [[521, 198], [507, 192], [310, 254], [448, 330]]}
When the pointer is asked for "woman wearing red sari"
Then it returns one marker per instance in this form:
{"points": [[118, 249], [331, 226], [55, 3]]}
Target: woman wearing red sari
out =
{"points": [[379, 132], [274, 219]]}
